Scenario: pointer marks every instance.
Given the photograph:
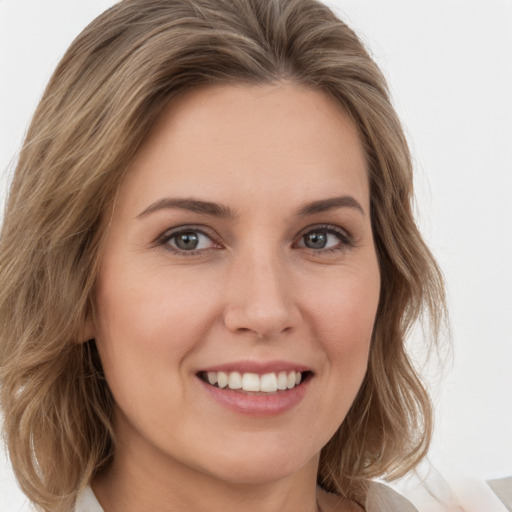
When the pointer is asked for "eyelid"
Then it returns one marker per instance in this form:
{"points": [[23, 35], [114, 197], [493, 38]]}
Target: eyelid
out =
{"points": [[346, 239], [162, 239]]}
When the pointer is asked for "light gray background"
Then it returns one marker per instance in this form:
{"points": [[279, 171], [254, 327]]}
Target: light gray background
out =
{"points": [[449, 66]]}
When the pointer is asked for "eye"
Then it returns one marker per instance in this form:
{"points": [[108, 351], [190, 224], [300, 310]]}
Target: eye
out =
{"points": [[323, 238], [187, 240]]}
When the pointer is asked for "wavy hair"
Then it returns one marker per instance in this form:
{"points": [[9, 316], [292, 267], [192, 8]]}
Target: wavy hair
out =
{"points": [[103, 98]]}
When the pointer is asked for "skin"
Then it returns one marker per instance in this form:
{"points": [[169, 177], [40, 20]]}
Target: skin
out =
{"points": [[252, 290]]}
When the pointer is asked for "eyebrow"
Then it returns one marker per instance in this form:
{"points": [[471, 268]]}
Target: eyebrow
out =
{"points": [[191, 205], [324, 205], [222, 211]]}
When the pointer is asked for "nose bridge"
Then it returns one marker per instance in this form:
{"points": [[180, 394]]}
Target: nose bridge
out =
{"points": [[261, 294]]}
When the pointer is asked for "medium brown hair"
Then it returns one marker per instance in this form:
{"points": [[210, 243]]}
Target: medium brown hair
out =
{"points": [[102, 100]]}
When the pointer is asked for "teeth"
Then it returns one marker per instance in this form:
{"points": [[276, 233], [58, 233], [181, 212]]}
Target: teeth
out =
{"points": [[235, 380], [250, 382], [282, 380], [222, 379], [267, 383]]}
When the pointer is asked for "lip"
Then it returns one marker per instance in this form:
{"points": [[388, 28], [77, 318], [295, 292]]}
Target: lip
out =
{"points": [[258, 367], [263, 404], [270, 404]]}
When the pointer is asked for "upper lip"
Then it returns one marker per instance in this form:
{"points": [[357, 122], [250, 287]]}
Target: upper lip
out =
{"points": [[258, 367]]}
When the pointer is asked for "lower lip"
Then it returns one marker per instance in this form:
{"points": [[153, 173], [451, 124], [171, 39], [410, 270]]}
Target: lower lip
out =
{"points": [[270, 404]]}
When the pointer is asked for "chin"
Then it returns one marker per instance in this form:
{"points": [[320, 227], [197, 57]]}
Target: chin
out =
{"points": [[261, 473], [258, 463]]}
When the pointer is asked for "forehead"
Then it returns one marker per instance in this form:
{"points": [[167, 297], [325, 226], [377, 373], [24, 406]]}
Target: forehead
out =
{"points": [[279, 140]]}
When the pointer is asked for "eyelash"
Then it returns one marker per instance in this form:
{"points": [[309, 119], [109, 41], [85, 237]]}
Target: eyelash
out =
{"points": [[167, 236], [344, 237]]}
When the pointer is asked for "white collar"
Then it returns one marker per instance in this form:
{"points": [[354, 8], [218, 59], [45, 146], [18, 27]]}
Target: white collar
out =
{"points": [[87, 502], [380, 498]]}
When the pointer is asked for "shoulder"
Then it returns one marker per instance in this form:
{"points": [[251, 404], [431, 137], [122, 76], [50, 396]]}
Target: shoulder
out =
{"points": [[380, 498], [87, 502]]}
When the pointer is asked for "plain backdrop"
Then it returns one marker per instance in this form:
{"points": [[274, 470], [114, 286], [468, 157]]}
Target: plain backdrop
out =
{"points": [[449, 67]]}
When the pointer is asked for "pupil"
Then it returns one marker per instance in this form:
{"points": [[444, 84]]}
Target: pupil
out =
{"points": [[187, 241], [316, 240]]}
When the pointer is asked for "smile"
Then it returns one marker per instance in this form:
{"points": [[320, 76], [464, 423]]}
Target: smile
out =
{"points": [[271, 382], [257, 388]]}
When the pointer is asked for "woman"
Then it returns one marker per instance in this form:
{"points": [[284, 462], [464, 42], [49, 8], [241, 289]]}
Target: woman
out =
{"points": [[208, 268]]}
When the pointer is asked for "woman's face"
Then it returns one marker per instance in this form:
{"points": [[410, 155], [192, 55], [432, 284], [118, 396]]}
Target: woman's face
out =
{"points": [[240, 250]]}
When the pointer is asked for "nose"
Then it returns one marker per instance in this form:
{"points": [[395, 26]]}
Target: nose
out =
{"points": [[261, 298]]}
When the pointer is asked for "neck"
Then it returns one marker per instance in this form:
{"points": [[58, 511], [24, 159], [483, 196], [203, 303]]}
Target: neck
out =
{"points": [[145, 481]]}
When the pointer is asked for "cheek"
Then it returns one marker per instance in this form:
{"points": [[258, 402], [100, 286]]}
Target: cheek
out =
{"points": [[144, 332], [343, 316], [347, 304], [147, 324], [149, 309]]}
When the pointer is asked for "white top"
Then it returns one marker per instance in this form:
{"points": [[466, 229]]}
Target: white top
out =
{"points": [[381, 498], [474, 496], [88, 502]]}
